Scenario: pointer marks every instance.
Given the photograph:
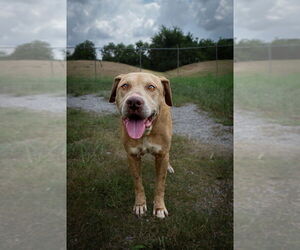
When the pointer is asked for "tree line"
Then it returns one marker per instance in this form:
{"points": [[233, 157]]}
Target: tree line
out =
{"points": [[35, 50], [153, 56]]}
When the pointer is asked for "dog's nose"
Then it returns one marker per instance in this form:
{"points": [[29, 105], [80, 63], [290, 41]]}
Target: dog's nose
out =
{"points": [[135, 102]]}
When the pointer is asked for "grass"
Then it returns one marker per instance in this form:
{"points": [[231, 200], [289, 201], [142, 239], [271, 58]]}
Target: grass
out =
{"points": [[30, 85], [276, 97], [210, 93], [33, 178], [82, 85], [101, 194]]}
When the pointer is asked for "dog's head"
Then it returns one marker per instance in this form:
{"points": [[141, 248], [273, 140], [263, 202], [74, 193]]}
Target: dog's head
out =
{"points": [[138, 97]]}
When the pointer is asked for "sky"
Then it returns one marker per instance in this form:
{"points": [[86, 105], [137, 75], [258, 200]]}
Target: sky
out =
{"points": [[128, 21], [266, 19], [23, 21]]}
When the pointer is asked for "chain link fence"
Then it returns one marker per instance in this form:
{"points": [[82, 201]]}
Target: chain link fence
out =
{"points": [[171, 61], [267, 58], [37, 63]]}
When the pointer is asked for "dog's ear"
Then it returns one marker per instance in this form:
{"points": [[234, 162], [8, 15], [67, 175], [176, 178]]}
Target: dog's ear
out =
{"points": [[114, 88], [167, 90]]}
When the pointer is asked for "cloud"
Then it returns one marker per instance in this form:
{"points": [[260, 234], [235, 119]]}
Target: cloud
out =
{"points": [[25, 21], [216, 17], [267, 19], [103, 21], [128, 21], [119, 21]]}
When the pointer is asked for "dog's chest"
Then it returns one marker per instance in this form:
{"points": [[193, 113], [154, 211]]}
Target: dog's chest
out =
{"points": [[146, 147]]}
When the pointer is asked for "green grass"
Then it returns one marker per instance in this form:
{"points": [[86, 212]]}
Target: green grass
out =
{"points": [[81, 86], [210, 93], [275, 97], [32, 85], [33, 178], [101, 193]]}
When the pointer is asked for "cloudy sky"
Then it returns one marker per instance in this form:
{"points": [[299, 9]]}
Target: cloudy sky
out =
{"points": [[23, 21], [266, 19], [127, 21]]}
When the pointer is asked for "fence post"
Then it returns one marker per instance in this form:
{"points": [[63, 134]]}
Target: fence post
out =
{"points": [[177, 60], [270, 58], [95, 69], [51, 66], [217, 59], [140, 52]]}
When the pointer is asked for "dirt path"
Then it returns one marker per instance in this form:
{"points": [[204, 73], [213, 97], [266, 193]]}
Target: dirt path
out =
{"points": [[44, 102], [262, 136], [188, 120]]}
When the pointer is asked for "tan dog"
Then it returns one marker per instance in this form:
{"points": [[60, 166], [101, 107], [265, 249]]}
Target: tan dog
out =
{"points": [[143, 101]]}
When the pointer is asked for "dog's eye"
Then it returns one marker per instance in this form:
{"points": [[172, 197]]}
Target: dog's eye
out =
{"points": [[125, 86], [151, 87]]}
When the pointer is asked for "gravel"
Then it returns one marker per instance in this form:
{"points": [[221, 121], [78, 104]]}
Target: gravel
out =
{"points": [[44, 102], [190, 121], [254, 133], [92, 103]]}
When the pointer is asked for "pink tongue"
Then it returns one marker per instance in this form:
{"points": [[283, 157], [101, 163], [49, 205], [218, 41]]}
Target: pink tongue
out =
{"points": [[135, 128]]}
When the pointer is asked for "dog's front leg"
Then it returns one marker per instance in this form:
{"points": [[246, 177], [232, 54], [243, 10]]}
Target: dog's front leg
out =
{"points": [[140, 206], [161, 166]]}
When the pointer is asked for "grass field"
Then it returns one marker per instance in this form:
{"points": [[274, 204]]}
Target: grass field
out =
{"points": [[210, 93], [30, 85], [83, 85], [33, 68], [33, 179], [30, 77], [221, 67], [274, 96], [100, 193], [84, 68], [89, 68]]}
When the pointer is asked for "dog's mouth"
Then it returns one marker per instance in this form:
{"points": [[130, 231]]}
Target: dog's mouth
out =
{"points": [[136, 125]]}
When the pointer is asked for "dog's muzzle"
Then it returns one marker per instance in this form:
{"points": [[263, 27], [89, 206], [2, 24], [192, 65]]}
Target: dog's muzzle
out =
{"points": [[137, 117]]}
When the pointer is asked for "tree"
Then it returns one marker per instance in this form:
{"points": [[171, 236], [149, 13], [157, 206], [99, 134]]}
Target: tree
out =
{"points": [[121, 53], [84, 51], [252, 49], [225, 48], [108, 52], [36, 50], [3, 55], [142, 50], [163, 60]]}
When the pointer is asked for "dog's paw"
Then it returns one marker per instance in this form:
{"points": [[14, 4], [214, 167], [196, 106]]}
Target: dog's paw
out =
{"points": [[170, 169], [140, 210], [160, 212]]}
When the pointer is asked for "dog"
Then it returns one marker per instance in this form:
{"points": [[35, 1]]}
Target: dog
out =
{"points": [[144, 102]]}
